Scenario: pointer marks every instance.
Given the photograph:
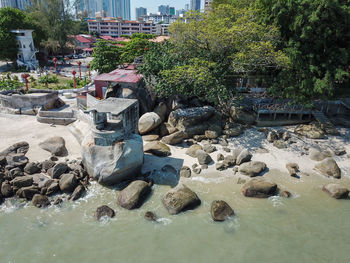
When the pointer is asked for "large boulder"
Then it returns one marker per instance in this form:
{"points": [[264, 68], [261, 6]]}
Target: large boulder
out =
{"points": [[259, 188], [166, 129], [56, 171], [77, 193], [148, 122], [17, 148], [112, 164], [329, 167], [234, 131], [179, 199], [157, 148], [6, 190], [336, 191], [28, 192], [22, 181], [183, 118], [55, 145], [244, 115], [40, 201], [244, 156], [68, 183], [220, 210], [104, 211], [253, 168], [192, 151], [161, 110], [174, 138], [134, 194], [317, 155], [311, 131], [203, 157], [31, 168], [17, 160], [168, 175]]}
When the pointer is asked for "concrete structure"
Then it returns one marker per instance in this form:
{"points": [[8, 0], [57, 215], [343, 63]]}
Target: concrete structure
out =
{"points": [[195, 4], [163, 9], [139, 12], [162, 29], [116, 26], [26, 50], [84, 42], [29, 103]]}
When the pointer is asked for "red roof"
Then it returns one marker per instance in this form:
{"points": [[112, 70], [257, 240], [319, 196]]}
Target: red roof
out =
{"points": [[107, 37], [120, 76], [83, 39], [88, 49]]}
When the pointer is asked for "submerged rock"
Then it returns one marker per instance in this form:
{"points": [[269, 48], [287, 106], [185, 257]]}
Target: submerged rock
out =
{"points": [[180, 198], [259, 188], [329, 167], [220, 210], [285, 194], [151, 216], [40, 201], [134, 194], [292, 168], [336, 191], [77, 193], [55, 145], [104, 211]]}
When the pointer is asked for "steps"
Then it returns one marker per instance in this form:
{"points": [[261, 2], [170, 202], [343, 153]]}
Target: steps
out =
{"points": [[325, 123], [56, 117]]}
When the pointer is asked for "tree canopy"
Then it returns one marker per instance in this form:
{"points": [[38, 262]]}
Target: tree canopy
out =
{"points": [[106, 56]]}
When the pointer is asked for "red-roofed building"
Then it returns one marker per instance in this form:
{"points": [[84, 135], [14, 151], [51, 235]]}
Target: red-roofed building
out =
{"points": [[84, 42], [119, 78]]}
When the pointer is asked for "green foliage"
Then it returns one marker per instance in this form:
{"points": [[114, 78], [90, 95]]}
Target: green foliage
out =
{"points": [[316, 38], [79, 83], [106, 56], [8, 83], [134, 48], [48, 79], [142, 36]]}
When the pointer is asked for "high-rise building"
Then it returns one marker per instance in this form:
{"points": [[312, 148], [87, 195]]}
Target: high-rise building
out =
{"points": [[187, 7], [207, 4], [140, 11], [171, 11], [20, 4], [195, 4], [120, 8], [181, 12], [163, 9]]}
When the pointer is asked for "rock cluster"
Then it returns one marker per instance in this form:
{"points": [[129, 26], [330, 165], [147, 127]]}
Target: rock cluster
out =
{"points": [[39, 181]]}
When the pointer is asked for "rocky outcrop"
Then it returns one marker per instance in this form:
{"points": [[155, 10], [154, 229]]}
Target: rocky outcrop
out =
{"points": [[259, 188], [220, 210], [252, 169], [55, 145], [17, 160], [112, 164], [244, 115], [28, 192], [134, 194], [183, 118], [166, 129], [157, 148], [311, 131], [104, 211], [336, 191], [17, 148], [56, 171], [328, 167], [148, 122], [180, 198], [31, 168], [22, 181]]}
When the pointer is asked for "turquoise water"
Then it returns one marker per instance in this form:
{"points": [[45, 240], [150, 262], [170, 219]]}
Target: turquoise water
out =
{"points": [[311, 227]]}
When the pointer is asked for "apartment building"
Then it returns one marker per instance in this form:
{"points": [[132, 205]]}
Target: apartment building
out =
{"points": [[207, 4], [116, 26]]}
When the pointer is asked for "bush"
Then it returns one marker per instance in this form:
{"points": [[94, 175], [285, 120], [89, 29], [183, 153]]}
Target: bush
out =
{"points": [[47, 79], [8, 83]]}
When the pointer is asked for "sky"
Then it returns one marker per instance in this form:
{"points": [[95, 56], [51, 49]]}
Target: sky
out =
{"points": [[152, 5]]}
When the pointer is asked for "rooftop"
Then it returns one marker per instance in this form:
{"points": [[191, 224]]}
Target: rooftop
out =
{"points": [[115, 106], [120, 76]]}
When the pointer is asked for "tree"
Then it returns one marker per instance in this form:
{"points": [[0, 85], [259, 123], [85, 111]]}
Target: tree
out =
{"points": [[134, 48], [106, 56], [316, 38], [55, 18]]}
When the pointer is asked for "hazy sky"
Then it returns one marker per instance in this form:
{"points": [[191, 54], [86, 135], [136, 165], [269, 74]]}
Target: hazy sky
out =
{"points": [[152, 5]]}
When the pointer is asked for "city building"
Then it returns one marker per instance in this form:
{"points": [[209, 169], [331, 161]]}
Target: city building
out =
{"points": [[26, 50], [120, 8], [171, 10], [139, 12], [187, 7], [155, 18], [116, 26], [163, 9], [112, 8], [207, 4], [181, 12], [162, 29], [195, 4], [20, 4]]}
